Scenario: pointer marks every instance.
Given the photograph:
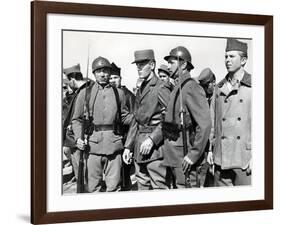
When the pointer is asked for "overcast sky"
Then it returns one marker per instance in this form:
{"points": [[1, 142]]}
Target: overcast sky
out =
{"points": [[119, 48]]}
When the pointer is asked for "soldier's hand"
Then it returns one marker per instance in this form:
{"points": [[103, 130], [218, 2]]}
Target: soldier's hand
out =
{"points": [[186, 164], [80, 144], [146, 146], [210, 158], [127, 156], [249, 169]]}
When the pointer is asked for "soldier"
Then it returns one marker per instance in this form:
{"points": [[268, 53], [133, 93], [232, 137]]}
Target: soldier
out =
{"points": [[231, 114], [106, 111], [115, 80], [207, 81], [164, 75], [76, 83], [151, 101], [187, 116]]}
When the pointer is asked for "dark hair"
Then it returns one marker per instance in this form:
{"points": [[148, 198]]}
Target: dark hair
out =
{"points": [[76, 76]]}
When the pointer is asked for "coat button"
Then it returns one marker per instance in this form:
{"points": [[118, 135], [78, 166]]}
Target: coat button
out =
{"points": [[225, 101], [223, 119], [238, 137], [239, 118], [241, 100], [223, 137]]}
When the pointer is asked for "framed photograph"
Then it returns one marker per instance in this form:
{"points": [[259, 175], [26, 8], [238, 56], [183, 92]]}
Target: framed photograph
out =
{"points": [[73, 44]]}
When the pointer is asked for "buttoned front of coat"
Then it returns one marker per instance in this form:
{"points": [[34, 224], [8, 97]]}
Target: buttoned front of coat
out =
{"points": [[231, 112]]}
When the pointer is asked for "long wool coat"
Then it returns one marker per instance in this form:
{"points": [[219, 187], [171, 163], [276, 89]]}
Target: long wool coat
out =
{"points": [[231, 114]]}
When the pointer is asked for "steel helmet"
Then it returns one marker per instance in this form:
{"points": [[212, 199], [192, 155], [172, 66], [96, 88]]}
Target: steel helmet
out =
{"points": [[182, 53], [100, 62]]}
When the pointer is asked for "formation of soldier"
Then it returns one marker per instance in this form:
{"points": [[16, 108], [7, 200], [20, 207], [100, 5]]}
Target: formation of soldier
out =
{"points": [[174, 131]]}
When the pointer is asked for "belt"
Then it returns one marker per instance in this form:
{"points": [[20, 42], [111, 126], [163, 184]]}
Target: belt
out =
{"points": [[103, 127], [146, 129]]}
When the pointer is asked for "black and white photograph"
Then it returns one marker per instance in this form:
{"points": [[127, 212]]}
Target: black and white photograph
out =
{"points": [[155, 111], [149, 112]]}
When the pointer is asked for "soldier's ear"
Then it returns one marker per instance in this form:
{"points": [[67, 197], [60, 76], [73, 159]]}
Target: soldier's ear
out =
{"points": [[243, 61], [152, 64], [183, 65]]}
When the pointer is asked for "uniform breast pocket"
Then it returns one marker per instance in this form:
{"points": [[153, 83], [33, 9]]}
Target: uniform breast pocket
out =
{"points": [[95, 137]]}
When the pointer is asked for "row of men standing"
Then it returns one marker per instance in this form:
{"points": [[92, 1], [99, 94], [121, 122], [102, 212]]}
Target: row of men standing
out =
{"points": [[148, 128]]}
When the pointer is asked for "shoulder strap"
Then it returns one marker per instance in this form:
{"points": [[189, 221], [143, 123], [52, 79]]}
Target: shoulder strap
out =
{"points": [[87, 99], [177, 94], [118, 103]]}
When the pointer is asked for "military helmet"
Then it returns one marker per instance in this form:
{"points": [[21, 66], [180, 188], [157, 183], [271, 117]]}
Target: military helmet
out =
{"points": [[100, 62], [182, 53]]}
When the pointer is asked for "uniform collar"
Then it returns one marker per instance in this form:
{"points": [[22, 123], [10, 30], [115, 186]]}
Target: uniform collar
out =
{"points": [[100, 87], [246, 80]]}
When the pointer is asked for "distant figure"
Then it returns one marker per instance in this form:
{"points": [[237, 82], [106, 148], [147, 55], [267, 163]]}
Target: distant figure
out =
{"points": [[164, 75], [76, 82], [116, 80], [207, 81]]}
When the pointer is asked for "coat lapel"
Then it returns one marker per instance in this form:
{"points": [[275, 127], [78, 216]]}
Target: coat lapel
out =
{"points": [[148, 87]]}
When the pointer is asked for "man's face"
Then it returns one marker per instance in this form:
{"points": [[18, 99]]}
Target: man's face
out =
{"points": [[65, 91], [233, 61], [209, 87], [145, 68], [163, 76], [173, 67], [115, 80], [102, 75]]}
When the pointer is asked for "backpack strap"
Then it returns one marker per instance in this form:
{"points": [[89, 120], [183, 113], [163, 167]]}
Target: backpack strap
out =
{"points": [[177, 95], [118, 103]]}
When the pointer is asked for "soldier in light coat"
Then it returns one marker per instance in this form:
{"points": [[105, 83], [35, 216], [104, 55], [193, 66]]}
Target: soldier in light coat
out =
{"points": [[151, 101], [105, 141], [231, 113]]}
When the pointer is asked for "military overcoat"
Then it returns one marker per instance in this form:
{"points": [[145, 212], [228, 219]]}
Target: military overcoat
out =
{"points": [[197, 120], [231, 114], [150, 103]]}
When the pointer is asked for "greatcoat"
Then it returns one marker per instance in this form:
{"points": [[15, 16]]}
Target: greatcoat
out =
{"points": [[231, 133]]}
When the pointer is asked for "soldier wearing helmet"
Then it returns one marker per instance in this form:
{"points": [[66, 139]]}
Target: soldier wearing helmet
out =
{"points": [[189, 97], [106, 110], [151, 100]]}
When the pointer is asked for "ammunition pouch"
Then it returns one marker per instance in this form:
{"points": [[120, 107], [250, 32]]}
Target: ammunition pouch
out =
{"points": [[171, 131], [88, 127], [118, 129]]}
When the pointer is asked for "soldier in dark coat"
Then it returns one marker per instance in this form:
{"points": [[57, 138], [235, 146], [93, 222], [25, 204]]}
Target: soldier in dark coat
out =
{"points": [[191, 99], [116, 80], [76, 83], [207, 81], [231, 115], [107, 111], [151, 101]]}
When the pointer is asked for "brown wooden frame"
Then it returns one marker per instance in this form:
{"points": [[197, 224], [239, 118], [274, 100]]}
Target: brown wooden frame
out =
{"points": [[39, 11]]}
